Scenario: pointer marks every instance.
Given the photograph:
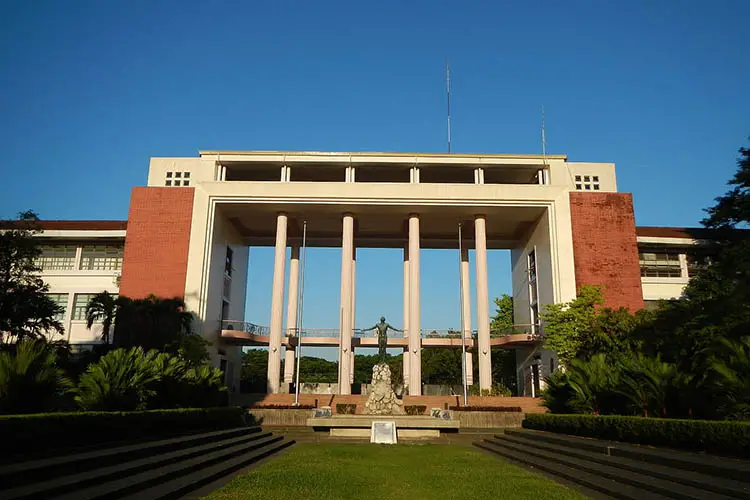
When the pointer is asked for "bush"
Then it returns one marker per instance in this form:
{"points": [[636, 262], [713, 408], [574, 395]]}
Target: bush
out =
{"points": [[415, 409], [127, 380], [498, 389], [725, 438], [42, 431], [346, 409], [29, 378], [501, 409]]}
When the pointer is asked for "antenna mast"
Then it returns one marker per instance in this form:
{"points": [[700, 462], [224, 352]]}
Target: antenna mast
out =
{"points": [[544, 140], [448, 88]]}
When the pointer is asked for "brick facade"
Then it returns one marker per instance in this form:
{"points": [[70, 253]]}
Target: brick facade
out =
{"points": [[605, 249], [157, 241]]}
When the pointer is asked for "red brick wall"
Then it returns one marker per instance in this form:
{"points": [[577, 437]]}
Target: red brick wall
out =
{"points": [[156, 242], [605, 250]]}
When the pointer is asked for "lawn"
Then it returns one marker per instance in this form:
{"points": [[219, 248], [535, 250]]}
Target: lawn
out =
{"points": [[363, 471]]}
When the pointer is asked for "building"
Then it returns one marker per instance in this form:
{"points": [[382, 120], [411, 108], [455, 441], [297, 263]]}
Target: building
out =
{"points": [[189, 230]]}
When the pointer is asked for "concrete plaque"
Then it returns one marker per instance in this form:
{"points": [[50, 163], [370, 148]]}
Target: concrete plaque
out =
{"points": [[383, 432], [325, 411]]}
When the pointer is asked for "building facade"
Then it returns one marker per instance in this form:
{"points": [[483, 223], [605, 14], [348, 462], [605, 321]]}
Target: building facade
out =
{"points": [[190, 228]]}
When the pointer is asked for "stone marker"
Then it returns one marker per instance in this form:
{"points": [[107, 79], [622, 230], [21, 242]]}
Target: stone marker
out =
{"points": [[325, 411], [383, 432], [382, 400]]}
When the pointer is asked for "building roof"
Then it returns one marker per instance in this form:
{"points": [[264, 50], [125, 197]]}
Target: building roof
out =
{"points": [[391, 154], [694, 233], [72, 225]]}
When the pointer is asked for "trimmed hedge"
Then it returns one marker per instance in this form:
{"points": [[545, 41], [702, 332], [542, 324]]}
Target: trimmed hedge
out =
{"points": [[721, 437], [282, 407], [44, 431], [415, 409], [505, 409], [346, 408]]}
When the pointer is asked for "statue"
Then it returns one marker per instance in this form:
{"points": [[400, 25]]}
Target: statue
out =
{"points": [[382, 329]]}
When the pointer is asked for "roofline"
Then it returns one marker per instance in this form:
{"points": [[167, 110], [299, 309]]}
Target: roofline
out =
{"points": [[69, 225], [387, 154]]}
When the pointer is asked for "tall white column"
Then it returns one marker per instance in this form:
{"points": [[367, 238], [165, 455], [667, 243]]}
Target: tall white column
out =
{"points": [[407, 350], [277, 306], [466, 312], [291, 313], [415, 341], [354, 316], [347, 253], [483, 304]]}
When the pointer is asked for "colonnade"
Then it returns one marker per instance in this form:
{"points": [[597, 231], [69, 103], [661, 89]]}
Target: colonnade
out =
{"points": [[412, 358]]}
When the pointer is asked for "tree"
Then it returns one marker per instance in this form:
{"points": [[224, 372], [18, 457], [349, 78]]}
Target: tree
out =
{"points": [[25, 309], [502, 321], [102, 308], [151, 323], [566, 325]]}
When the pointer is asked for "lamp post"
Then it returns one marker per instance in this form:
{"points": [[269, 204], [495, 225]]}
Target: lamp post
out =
{"points": [[300, 308]]}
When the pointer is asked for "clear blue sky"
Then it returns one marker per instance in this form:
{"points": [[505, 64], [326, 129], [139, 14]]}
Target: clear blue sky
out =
{"points": [[89, 90]]}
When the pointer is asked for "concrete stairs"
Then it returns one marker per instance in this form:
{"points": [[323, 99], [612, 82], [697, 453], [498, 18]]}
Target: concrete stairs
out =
{"points": [[617, 470], [164, 469]]}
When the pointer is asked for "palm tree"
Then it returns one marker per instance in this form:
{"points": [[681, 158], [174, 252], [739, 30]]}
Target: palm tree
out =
{"points": [[102, 308], [152, 323]]}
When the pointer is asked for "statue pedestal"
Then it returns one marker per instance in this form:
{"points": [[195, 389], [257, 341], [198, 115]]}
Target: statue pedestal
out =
{"points": [[382, 400]]}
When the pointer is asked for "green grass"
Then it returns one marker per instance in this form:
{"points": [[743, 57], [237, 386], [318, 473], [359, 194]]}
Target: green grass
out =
{"points": [[362, 471]]}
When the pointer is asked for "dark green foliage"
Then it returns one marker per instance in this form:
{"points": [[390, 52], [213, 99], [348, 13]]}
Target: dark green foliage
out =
{"points": [[151, 323], [21, 433], [415, 409], [25, 309], [726, 438], [30, 380], [496, 409], [346, 409], [135, 380], [102, 308]]}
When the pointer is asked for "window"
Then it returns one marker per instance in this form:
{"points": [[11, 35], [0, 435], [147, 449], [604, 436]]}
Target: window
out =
{"points": [[174, 179], [228, 262], [101, 258], [696, 262], [587, 182], [60, 300], [57, 257], [660, 264], [80, 302], [533, 291]]}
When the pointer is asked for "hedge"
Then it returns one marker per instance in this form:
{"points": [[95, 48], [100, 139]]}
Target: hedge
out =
{"points": [[505, 409], [282, 407], [44, 431], [721, 437]]}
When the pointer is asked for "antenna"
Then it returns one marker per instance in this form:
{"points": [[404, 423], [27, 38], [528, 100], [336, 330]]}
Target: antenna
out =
{"points": [[448, 88], [544, 140]]}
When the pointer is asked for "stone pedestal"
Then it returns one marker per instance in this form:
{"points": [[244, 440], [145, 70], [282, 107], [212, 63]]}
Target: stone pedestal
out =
{"points": [[382, 400]]}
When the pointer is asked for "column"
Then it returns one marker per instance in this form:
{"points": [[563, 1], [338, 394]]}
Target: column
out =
{"points": [[291, 313], [483, 307], [277, 306], [354, 303], [415, 361], [347, 255], [406, 316], [466, 312]]}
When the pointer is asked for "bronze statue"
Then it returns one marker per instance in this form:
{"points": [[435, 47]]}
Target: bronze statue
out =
{"points": [[382, 329]]}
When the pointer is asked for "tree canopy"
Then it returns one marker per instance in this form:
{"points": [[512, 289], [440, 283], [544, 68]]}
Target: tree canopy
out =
{"points": [[25, 309]]}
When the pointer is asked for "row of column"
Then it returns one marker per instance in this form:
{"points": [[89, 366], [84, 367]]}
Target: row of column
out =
{"points": [[412, 359]]}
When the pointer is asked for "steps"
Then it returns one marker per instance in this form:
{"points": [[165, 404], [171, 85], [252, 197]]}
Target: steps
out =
{"points": [[169, 468], [624, 471]]}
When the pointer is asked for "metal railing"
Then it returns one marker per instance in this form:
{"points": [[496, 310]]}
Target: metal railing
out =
{"points": [[426, 333]]}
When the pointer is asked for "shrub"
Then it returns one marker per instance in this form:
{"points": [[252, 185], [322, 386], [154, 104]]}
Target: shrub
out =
{"points": [[498, 389], [282, 407], [501, 409], [721, 437], [29, 378], [346, 409], [120, 380], [42, 431], [415, 409]]}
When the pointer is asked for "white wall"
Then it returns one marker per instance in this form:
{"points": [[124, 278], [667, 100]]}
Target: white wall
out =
{"points": [[538, 238], [201, 170]]}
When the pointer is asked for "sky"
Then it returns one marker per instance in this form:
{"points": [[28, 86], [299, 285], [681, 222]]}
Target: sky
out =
{"points": [[90, 90]]}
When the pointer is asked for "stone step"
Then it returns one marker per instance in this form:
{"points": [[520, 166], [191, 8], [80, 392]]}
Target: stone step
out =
{"points": [[24, 472], [720, 486], [602, 485], [626, 477], [76, 481], [131, 484], [735, 469], [183, 485]]}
